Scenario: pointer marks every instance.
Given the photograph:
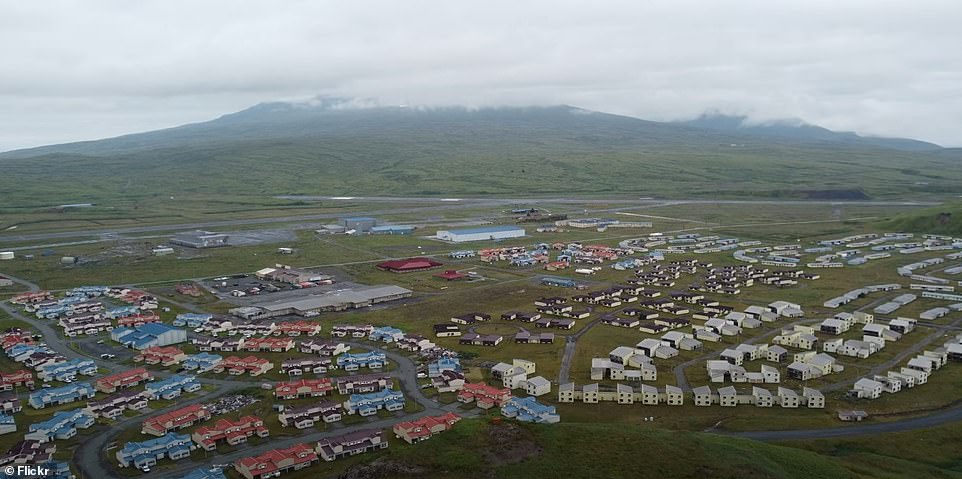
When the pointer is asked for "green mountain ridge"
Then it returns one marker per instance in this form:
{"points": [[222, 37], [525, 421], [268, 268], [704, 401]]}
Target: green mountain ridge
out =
{"points": [[337, 148]]}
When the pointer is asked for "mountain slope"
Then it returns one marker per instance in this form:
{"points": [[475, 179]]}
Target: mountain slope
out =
{"points": [[799, 130], [334, 147]]}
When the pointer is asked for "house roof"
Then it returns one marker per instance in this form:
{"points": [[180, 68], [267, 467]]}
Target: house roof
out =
{"points": [[409, 264]]}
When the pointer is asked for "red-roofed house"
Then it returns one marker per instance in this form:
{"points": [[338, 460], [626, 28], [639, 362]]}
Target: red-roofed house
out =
{"points": [[450, 275], [138, 320], [174, 420], [122, 380], [276, 462], [162, 355], [237, 366], [486, 396], [8, 381], [277, 345], [231, 432], [10, 340], [408, 265], [297, 328], [421, 429], [303, 388]]}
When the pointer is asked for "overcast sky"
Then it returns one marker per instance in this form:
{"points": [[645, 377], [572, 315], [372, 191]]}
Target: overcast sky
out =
{"points": [[74, 70]]}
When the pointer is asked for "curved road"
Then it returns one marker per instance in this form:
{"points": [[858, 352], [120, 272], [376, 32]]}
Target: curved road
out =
{"points": [[405, 374], [924, 422]]}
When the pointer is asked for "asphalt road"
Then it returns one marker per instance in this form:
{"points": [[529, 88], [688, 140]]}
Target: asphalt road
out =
{"points": [[924, 422], [405, 373]]}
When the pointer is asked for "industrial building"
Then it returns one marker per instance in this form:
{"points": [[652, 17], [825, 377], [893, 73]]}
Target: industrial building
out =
{"points": [[315, 304], [200, 239], [360, 224], [392, 230], [485, 233]]}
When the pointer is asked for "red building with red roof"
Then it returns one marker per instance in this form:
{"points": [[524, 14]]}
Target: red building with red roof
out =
{"points": [[486, 396], [8, 381], [277, 345], [450, 275], [408, 265], [276, 462], [138, 320], [163, 355], [421, 429], [303, 388], [237, 366], [123, 380], [174, 420], [231, 432]]}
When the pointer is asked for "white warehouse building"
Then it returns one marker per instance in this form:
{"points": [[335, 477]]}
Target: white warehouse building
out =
{"points": [[481, 234]]}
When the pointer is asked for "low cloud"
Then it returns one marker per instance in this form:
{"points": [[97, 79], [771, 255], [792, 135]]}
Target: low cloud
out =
{"points": [[78, 70]]}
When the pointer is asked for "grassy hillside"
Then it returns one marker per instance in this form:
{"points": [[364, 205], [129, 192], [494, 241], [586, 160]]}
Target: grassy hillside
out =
{"points": [[476, 449], [944, 220], [276, 149]]}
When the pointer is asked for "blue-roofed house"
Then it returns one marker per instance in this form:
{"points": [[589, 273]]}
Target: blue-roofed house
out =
{"points": [[148, 335], [62, 395], [353, 362], [386, 334], [88, 291], [146, 453], [528, 409], [7, 424], [435, 368], [368, 404], [205, 473], [201, 362], [63, 425], [172, 387], [122, 312], [66, 370], [191, 320]]}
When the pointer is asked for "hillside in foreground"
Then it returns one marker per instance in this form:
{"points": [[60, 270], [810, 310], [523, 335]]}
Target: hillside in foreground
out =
{"points": [[476, 449]]}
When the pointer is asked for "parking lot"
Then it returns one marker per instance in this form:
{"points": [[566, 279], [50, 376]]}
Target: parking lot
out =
{"points": [[258, 290]]}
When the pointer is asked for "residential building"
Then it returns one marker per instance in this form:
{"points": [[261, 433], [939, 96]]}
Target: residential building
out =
{"points": [[303, 388], [171, 387], [422, 429], [178, 419], [165, 356], [306, 416], [62, 426], [368, 404], [370, 360], [236, 366], [230, 432], [67, 370], [62, 395], [146, 453], [115, 405], [123, 380], [528, 409], [202, 362], [485, 396], [351, 444], [276, 462]]}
